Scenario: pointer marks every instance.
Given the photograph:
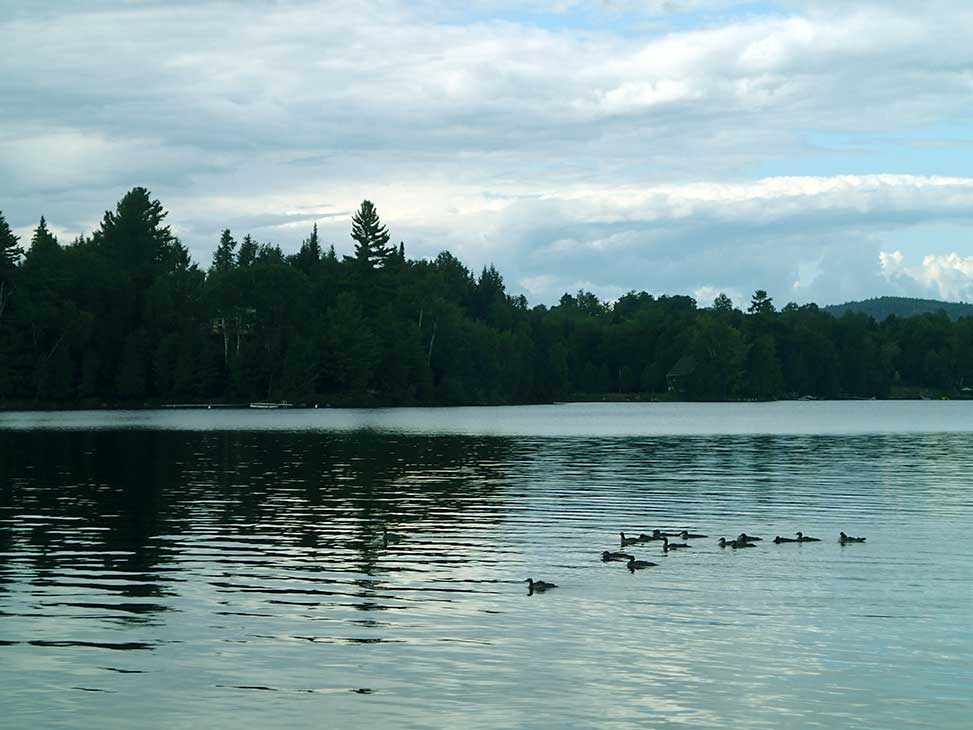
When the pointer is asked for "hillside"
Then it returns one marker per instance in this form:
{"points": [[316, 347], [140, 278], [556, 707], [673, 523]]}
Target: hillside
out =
{"points": [[881, 308]]}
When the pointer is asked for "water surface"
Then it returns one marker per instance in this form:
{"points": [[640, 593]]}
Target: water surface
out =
{"points": [[227, 569]]}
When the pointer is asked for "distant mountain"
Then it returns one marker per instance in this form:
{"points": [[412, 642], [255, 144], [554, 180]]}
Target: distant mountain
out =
{"points": [[881, 308]]}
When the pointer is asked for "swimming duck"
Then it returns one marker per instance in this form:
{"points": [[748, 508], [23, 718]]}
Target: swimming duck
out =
{"points": [[686, 535], [744, 537], [778, 540], [649, 538], [628, 540], [801, 538], [735, 543], [844, 539], [606, 556], [634, 564], [390, 538], [667, 546], [538, 585]]}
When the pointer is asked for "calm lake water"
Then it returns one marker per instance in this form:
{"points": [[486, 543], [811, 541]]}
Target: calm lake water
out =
{"points": [[226, 569]]}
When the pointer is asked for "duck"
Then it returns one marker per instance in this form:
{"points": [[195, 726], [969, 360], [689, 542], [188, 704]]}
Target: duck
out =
{"points": [[801, 538], [538, 585], [686, 535], [628, 540], [606, 556], [649, 538], [634, 564], [748, 538], [844, 539], [390, 538], [659, 534], [735, 543], [667, 546], [778, 540]]}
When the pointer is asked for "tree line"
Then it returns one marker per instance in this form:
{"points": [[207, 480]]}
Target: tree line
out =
{"points": [[125, 317]]}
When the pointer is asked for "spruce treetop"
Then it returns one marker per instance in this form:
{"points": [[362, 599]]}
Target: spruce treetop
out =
{"points": [[371, 237], [10, 252]]}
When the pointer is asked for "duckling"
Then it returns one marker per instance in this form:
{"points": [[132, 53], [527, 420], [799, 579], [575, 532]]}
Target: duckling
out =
{"points": [[606, 556], [801, 538], [845, 539], [628, 540], [686, 535], [634, 564], [538, 586], [390, 538], [778, 540], [748, 538], [667, 546]]}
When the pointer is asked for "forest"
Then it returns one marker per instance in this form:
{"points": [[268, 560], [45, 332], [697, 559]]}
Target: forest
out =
{"points": [[124, 317]]}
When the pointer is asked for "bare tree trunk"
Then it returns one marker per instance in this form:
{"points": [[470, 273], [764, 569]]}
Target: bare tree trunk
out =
{"points": [[432, 340], [226, 343], [4, 296], [420, 319]]}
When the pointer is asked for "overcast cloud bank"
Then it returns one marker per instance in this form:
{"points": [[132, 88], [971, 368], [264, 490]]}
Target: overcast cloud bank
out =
{"points": [[812, 149]]}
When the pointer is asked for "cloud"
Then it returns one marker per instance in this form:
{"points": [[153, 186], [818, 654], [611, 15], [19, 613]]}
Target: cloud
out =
{"points": [[622, 143], [945, 276]]}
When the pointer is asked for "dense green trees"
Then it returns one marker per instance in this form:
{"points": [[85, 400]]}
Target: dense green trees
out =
{"points": [[124, 317]]}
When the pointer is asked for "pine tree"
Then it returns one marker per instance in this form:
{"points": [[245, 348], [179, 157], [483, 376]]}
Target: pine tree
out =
{"points": [[134, 238], [10, 252], [224, 257], [310, 254], [371, 238], [760, 303], [248, 252], [43, 240]]}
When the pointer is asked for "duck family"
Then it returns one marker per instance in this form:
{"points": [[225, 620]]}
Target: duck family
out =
{"points": [[743, 540]]}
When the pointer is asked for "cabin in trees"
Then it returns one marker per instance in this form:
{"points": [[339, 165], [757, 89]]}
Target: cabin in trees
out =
{"points": [[680, 372]]}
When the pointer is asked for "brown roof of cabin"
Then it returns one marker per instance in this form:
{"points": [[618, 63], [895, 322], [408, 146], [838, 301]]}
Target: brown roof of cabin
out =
{"points": [[684, 366]]}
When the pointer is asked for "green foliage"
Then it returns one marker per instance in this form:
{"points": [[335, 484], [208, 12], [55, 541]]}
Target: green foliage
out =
{"points": [[124, 317], [10, 252], [881, 308]]}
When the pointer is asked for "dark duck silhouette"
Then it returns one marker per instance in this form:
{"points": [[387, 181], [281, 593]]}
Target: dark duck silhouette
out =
{"points": [[845, 539], [686, 535], [667, 546], [606, 556], [538, 586], [634, 564], [723, 543], [744, 537], [802, 538], [778, 540], [628, 540]]}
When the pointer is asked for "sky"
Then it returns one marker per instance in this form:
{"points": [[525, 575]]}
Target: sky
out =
{"points": [[818, 149]]}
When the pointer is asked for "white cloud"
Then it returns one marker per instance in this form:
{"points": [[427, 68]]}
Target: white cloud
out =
{"points": [[945, 276], [565, 154]]}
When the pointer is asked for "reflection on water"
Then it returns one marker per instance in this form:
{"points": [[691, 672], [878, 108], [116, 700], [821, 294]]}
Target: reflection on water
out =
{"points": [[240, 579]]}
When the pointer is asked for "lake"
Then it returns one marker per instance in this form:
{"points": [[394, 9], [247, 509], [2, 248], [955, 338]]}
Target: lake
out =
{"points": [[226, 568]]}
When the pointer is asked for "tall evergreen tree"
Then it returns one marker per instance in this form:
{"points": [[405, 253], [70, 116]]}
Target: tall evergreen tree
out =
{"points": [[371, 238], [760, 303], [248, 252], [225, 256], [135, 239], [10, 252], [310, 254]]}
